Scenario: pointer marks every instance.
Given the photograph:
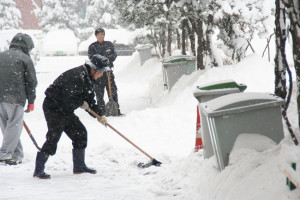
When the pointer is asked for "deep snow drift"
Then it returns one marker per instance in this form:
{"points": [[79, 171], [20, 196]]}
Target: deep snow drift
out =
{"points": [[163, 124]]}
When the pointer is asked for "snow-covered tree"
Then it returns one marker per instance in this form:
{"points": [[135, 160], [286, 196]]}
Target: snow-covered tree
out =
{"points": [[166, 23], [209, 46], [100, 13], [193, 10], [187, 32], [238, 21], [10, 16], [59, 14], [160, 17]]}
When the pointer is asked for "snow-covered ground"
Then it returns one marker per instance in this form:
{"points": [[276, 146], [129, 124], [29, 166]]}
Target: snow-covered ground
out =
{"points": [[163, 124]]}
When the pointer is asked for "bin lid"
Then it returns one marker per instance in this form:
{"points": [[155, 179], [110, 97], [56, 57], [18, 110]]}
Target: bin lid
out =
{"points": [[240, 102], [179, 59], [219, 87], [143, 46]]}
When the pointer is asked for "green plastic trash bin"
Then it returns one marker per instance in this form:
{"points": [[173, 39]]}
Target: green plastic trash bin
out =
{"points": [[225, 117], [176, 66]]}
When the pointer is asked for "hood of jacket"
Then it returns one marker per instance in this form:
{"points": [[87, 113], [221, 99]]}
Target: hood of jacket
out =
{"points": [[23, 42]]}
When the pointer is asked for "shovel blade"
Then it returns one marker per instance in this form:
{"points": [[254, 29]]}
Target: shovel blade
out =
{"points": [[112, 108], [153, 162]]}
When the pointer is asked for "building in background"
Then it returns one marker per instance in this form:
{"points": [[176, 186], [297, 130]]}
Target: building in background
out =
{"points": [[28, 9]]}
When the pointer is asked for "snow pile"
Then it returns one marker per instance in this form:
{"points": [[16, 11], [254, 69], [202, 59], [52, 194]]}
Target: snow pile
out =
{"points": [[63, 40]]}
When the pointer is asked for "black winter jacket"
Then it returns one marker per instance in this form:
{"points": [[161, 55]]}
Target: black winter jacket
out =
{"points": [[17, 74], [105, 48], [71, 89]]}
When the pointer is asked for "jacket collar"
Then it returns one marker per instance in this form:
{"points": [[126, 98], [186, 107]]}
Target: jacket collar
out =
{"points": [[88, 72]]}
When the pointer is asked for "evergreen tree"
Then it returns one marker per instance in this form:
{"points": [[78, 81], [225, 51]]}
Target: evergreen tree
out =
{"points": [[100, 13], [238, 21], [59, 14], [10, 16], [159, 17]]}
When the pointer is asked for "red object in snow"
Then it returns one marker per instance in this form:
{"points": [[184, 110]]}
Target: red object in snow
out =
{"points": [[199, 144]]}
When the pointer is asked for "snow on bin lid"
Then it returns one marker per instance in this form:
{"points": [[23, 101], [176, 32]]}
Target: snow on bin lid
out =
{"points": [[179, 58], [143, 46], [238, 102], [218, 87]]}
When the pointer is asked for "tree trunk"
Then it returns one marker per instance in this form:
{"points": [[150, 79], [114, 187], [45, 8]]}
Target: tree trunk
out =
{"points": [[163, 41], [191, 33], [280, 57], [156, 43], [178, 39], [209, 31], [197, 25], [200, 49], [281, 64], [169, 40], [183, 34], [294, 17]]}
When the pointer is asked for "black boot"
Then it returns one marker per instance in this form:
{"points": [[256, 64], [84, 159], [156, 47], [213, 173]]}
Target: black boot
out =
{"points": [[41, 159], [79, 164]]}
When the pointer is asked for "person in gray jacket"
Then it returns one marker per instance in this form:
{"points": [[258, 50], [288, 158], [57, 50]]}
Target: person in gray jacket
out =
{"points": [[17, 84]]}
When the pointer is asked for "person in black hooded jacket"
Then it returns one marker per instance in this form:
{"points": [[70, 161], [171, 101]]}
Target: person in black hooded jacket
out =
{"points": [[71, 90], [17, 85]]}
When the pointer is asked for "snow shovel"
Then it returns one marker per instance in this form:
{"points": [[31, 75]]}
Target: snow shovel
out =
{"points": [[140, 165], [31, 136], [111, 107]]}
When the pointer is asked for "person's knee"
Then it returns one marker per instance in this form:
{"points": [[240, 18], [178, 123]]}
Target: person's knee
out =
{"points": [[80, 141], [49, 149], [50, 145], [82, 144]]}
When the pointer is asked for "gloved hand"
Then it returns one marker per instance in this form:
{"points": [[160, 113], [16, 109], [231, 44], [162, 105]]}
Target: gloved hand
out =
{"points": [[30, 107], [85, 106], [102, 120]]}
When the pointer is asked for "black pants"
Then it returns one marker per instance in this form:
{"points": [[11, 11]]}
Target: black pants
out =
{"points": [[58, 123], [101, 84]]}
